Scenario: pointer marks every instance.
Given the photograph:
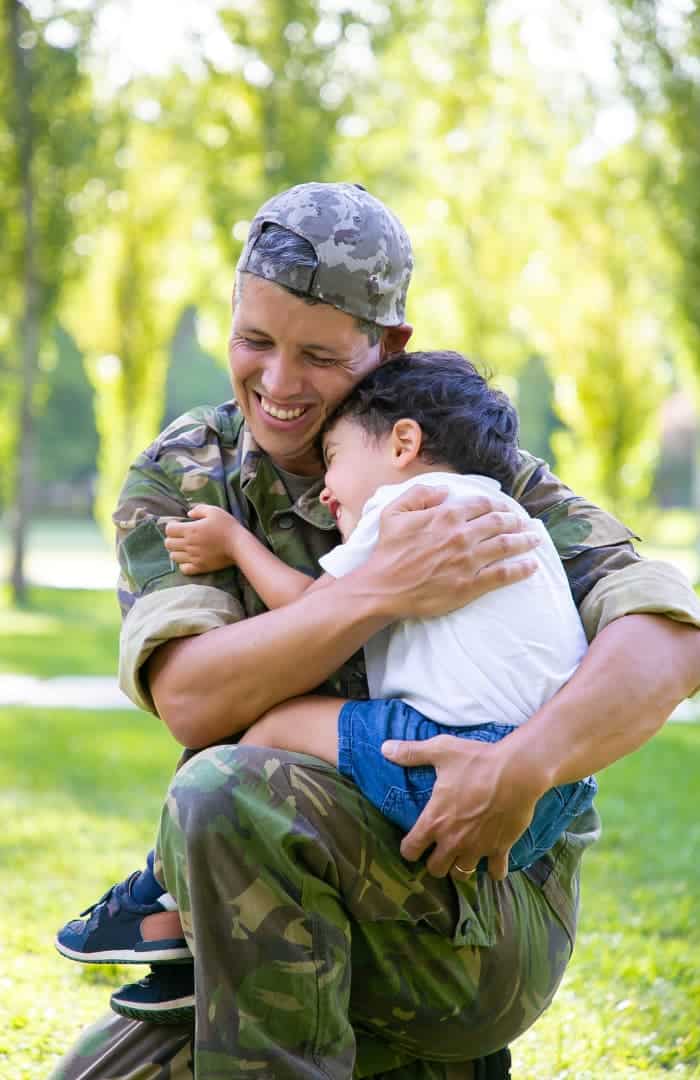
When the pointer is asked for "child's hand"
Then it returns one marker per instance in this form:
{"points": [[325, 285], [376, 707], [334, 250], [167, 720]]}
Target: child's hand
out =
{"points": [[204, 544]]}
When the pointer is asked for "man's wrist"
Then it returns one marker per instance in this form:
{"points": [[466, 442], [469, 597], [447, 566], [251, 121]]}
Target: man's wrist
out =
{"points": [[367, 598], [527, 762], [372, 587]]}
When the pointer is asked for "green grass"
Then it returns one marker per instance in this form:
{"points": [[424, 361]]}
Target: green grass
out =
{"points": [[60, 632], [80, 799], [80, 808], [80, 795], [630, 1004]]}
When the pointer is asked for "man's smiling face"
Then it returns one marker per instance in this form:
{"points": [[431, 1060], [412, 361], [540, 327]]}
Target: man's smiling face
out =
{"points": [[291, 364]]}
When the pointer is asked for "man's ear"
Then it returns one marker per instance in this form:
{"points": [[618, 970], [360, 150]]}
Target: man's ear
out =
{"points": [[406, 440], [395, 339]]}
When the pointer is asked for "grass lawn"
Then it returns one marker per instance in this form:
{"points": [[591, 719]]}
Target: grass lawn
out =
{"points": [[80, 795], [60, 632], [80, 811]]}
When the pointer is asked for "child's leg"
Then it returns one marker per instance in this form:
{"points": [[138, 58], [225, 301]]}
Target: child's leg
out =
{"points": [[135, 922], [304, 725], [146, 888], [403, 793]]}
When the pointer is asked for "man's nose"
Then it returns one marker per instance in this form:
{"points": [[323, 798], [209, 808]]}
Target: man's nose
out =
{"points": [[281, 378]]}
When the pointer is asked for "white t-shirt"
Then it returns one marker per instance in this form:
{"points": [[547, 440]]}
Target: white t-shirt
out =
{"points": [[499, 658]]}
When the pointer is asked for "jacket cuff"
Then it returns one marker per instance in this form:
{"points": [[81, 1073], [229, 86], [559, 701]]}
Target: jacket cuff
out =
{"points": [[163, 616], [646, 587]]}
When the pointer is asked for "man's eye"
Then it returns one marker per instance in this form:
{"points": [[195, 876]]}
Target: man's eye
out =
{"points": [[255, 343], [322, 361]]}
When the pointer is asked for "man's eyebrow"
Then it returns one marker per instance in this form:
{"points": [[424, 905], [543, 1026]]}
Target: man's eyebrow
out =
{"points": [[324, 348], [252, 330], [243, 329]]}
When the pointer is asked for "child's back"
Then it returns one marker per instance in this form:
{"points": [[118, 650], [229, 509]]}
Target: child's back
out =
{"points": [[499, 658]]}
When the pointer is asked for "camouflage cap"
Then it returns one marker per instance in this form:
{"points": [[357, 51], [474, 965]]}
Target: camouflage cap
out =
{"points": [[363, 251]]}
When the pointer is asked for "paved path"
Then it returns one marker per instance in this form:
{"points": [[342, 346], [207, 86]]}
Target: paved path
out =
{"points": [[102, 692], [63, 692]]}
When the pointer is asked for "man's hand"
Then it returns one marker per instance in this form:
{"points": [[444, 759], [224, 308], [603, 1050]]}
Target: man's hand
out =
{"points": [[206, 543], [433, 557], [481, 804]]}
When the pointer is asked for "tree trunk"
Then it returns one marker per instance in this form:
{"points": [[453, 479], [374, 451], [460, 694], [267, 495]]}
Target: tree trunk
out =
{"points": [[23, 124]]}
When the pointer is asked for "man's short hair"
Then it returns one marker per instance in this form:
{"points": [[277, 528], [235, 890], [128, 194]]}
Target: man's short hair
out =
{"points": [[466, 423], [362, 254]]}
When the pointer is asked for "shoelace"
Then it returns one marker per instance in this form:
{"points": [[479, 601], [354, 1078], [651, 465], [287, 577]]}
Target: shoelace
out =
{"points": [[115, 890]]}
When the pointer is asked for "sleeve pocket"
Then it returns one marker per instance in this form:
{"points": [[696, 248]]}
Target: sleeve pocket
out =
{"points": [[144, 556]]}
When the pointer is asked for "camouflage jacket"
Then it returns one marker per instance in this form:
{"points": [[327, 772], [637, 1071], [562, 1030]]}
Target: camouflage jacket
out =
{"points": [[208, 456]]}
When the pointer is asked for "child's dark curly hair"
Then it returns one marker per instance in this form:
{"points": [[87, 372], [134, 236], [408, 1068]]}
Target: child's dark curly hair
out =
{"points": [[466, 424]]}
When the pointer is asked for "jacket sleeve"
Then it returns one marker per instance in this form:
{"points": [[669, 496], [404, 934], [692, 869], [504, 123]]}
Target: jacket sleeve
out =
{"points": [[607, 576], [159, 603]]}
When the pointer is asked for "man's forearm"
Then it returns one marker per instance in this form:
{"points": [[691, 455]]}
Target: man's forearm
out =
{"points": [[635, 673], [210, 686], [431, 558]]}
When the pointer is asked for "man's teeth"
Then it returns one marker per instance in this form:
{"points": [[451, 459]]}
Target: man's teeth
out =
{"points": [[281, 414]]}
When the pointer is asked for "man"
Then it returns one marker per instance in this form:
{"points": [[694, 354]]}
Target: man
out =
{"points": [[319, 950]]}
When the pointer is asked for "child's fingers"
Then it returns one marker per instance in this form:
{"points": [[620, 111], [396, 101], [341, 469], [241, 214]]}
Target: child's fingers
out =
{"points": [[176, 543], [184, 562], [198, 511], [175, 528]]}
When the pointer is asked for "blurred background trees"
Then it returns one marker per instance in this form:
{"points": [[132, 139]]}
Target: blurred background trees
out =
{"points": [[545, 158]]}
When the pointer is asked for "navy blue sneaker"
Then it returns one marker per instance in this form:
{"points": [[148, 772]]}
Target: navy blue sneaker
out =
{"points": [[165, 996], [121, 931]]}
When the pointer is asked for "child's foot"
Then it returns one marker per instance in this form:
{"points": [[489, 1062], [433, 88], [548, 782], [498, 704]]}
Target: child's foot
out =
{"points": [[165, 996], [121, 931]]}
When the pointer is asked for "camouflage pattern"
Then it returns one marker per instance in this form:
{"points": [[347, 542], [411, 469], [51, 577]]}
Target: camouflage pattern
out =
{"points": [[591, 543], [319, 952], [287, 878], [364, 253], [209, 456], [115, 1048]]}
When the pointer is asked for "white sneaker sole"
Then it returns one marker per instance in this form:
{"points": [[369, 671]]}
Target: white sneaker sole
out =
{"points": [[126, 956]]}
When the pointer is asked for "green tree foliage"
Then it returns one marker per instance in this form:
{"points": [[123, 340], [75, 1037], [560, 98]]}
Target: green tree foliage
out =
{"points": [[598, 319], [524, 243], [194, 377], [65, 428], [659, 58], [535, 401], [527, 243], [46, 137], [141, 272]]}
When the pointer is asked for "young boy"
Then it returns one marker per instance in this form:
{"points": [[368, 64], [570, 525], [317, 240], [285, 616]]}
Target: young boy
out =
{"points": [[477, 673]]}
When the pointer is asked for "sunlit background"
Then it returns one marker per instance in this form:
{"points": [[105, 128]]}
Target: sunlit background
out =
{"points": [[544, 156]]}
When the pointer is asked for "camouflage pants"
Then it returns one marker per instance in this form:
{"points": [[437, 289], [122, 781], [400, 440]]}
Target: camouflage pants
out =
{"points": [[319, 952]]}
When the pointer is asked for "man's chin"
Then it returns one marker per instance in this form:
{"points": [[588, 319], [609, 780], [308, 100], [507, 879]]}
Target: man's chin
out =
{"points": [[296, 456]]}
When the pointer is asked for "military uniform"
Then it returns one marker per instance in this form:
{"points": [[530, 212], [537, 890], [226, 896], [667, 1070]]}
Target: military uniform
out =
{"points": [[319, 952]]}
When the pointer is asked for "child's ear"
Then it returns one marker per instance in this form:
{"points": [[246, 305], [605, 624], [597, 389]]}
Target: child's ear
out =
{"points": [[406, 439]]}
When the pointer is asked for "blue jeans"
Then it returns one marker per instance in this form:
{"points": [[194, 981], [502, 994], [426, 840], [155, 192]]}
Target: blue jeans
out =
{"points": [[401, 794]]}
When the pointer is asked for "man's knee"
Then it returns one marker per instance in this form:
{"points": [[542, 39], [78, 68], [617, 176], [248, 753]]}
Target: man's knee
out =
{"points": [[223, 782]]}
